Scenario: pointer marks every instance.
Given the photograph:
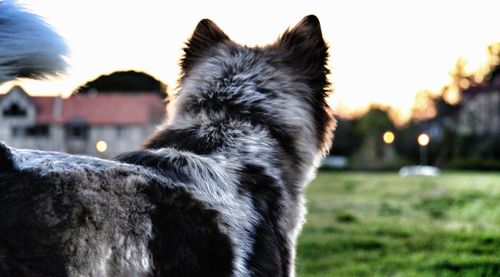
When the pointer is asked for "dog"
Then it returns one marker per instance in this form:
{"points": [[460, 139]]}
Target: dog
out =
{"points": [[217, 190]]}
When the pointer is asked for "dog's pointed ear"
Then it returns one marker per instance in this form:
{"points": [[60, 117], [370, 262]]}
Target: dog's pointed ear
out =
{"points": [[305, 48], [205, 35]]}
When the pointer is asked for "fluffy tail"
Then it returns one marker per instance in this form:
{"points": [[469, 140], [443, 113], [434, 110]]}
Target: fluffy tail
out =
{"points": [[29, 48]]}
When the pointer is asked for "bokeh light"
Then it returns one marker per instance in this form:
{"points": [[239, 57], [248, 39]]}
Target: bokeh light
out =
{"points": [[388, 137], [423, 139], [101, 146]]}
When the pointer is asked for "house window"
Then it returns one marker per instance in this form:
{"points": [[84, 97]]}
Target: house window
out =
{"points": [[18, 131], [38, 131], [14, 110], [78, 132], [77, 129], [121, 131], [76, 136], [34, 131]]}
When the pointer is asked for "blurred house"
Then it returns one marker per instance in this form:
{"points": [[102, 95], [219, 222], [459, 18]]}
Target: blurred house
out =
{"points": [[480, 113], [120, 122]]}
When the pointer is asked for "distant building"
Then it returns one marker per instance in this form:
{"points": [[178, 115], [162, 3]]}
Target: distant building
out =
{"points": [[76, 124], [480, 112]]}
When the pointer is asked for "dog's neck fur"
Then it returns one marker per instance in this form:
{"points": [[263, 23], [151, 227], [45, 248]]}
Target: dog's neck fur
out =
{"points": [[262, 106], [228, 89]]}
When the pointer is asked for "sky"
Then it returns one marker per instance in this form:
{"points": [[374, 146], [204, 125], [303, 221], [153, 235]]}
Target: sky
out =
{"points": [[382, 52]]}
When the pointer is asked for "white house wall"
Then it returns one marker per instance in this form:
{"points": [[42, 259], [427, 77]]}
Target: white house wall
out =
{"points": [[130, 138]]}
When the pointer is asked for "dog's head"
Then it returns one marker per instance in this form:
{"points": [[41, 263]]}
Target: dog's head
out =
{"points": [[282, 86]]}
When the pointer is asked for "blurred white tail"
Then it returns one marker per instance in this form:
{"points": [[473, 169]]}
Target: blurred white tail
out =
{"points": [[29, 48]]}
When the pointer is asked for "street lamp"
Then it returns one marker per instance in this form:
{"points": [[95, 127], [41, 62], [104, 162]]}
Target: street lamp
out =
{"points": [[423, 140], [101, 146], [388, 137]]}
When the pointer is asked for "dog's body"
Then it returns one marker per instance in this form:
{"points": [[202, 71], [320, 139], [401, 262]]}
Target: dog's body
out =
{"points": [[217, 191]]}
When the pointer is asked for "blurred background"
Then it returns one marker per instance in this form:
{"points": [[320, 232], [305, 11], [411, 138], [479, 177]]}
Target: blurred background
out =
{"points": [[415, 83]]}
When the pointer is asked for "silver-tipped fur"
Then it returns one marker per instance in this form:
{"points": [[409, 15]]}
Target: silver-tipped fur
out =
{"points": [[216, 191]]}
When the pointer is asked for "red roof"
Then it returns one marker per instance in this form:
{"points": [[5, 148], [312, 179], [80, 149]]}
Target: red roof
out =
{"points": [[44, 108], [101, 109]]}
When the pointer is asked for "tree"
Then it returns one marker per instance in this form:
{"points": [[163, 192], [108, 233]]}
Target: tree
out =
{"points": [[492, 69], [423, 107], [370, 127], [346, 140], [125, 82], [460, 80], [449, 145], [375, 121]]}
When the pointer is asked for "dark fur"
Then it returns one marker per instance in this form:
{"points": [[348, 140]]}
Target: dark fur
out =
{"points": [[217, 191]]}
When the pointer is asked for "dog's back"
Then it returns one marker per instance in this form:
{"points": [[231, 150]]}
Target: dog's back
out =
{"points": [[217, 191], [80, 216], [67, 215]]}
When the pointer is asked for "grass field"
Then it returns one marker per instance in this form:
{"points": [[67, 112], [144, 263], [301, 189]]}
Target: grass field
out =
{"points": [[379, 224]]}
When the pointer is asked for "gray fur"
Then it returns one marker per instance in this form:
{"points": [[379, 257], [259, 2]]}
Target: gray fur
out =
{"points": [[247, 131], [287, 106]]}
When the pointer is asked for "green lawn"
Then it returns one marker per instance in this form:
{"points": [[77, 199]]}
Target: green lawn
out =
{"points": [[379, 224]]}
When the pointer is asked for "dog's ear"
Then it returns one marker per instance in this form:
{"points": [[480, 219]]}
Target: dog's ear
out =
{"points": [[205, 35], [304, 48]]}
